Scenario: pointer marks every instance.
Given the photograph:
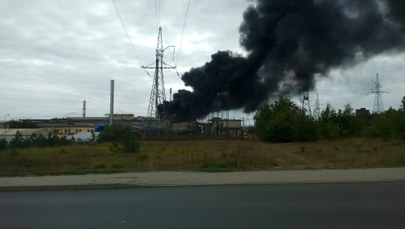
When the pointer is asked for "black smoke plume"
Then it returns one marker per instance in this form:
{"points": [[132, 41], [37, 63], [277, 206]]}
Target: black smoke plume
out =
{"points": [[289, 43]]}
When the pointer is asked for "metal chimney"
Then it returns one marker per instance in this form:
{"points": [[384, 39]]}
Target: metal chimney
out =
{"points": [[84, 108], [111, 101]]}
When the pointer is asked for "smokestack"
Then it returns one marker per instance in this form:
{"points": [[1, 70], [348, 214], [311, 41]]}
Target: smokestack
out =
{"points": [[111, 101], [84, 108]]}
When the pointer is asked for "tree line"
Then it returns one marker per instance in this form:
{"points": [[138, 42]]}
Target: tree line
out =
{"points": [[285, 121], [34, 140]]}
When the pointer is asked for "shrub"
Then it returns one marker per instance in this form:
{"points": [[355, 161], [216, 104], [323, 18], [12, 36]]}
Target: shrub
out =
{"points": [[121, 137], [284, 121]]}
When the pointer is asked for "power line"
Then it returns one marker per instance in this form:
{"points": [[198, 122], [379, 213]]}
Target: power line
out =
{"points": [[182, 33], [126, 31]]}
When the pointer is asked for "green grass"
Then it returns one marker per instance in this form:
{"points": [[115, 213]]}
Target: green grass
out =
{"points": [[204, 155]]}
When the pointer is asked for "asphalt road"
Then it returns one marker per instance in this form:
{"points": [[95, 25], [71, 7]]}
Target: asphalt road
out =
{"points": [[352, 205]]}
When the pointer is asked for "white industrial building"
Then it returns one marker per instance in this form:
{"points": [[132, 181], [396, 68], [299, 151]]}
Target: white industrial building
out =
{"points": [[9, 134]]}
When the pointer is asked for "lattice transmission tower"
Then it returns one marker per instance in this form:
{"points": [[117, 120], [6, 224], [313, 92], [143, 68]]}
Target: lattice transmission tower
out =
{"points": [[158, 92], [317, 111], [306, 104], [376, 90]]}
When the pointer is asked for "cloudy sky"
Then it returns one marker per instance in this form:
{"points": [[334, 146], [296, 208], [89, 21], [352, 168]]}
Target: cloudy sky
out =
{"points": [[55, 54]]}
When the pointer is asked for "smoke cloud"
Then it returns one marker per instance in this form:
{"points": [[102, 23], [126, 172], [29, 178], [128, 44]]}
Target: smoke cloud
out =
{"points": [[289, 43]]}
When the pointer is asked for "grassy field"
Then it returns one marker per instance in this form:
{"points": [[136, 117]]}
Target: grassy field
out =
{"points": [[204, 155]]}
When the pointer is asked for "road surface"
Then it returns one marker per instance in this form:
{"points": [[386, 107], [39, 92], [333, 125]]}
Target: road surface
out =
{"points": [[346, 205]]}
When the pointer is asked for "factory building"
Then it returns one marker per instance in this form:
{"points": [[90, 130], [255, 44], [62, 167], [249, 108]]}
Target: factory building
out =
{"points": [[144, 128], [9, 134]]}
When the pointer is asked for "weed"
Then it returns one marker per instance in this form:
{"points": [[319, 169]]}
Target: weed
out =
{"points": [[207, 155], [142, 157], [21, 162], [14, 152], [220, 167], [205, 159], [117, 166], [100, 166]]}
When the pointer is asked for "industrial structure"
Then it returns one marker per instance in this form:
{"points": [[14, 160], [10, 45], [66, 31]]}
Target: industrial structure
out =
{"points": [[362, 113], [84, 109], [306, 105], [154, 126], [378, 106], [68, 127], [158, 92]]}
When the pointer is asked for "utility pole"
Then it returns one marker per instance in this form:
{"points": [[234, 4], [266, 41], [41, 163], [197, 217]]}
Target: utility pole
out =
{"points": [[158, 94], [111, 102], [376, 90]]}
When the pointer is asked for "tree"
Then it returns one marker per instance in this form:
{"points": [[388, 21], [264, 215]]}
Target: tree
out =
{"points": [[403, 103], [390, 124], [19, 141], [349, 124], [121, 137], [329, 114], [339, 124], [284, 121]]}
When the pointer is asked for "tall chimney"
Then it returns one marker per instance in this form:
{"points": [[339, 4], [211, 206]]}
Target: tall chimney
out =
{"points": [[84, 108], [111, 101]]}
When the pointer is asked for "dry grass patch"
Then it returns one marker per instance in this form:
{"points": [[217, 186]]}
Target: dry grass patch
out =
{"points": [[204, 155]]}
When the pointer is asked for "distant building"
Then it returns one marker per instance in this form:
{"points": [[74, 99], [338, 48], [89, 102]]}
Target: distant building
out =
{"points": [[124, 116], [180, 127], [9, 134], [64, 131], [362, 113], [229, 128], [65, 127], [83, 137], [145, 128]]}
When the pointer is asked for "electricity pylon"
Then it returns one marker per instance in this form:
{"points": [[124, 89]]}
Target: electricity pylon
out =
{"points": [[158, 94], [376, 90], [306, 105]]}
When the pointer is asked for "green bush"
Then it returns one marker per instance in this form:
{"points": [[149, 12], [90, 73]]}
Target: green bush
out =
{"points": [[121, 137], [284, 121], [339, 124], [390, 124]]}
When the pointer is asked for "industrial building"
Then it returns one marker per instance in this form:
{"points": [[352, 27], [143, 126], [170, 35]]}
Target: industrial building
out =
{"points": [[145, 128], [9, 134], [362, 113]]}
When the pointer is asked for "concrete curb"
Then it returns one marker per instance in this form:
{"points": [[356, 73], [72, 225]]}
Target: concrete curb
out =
{"points": [[67, 187], [181, 179], [125, 186]]}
